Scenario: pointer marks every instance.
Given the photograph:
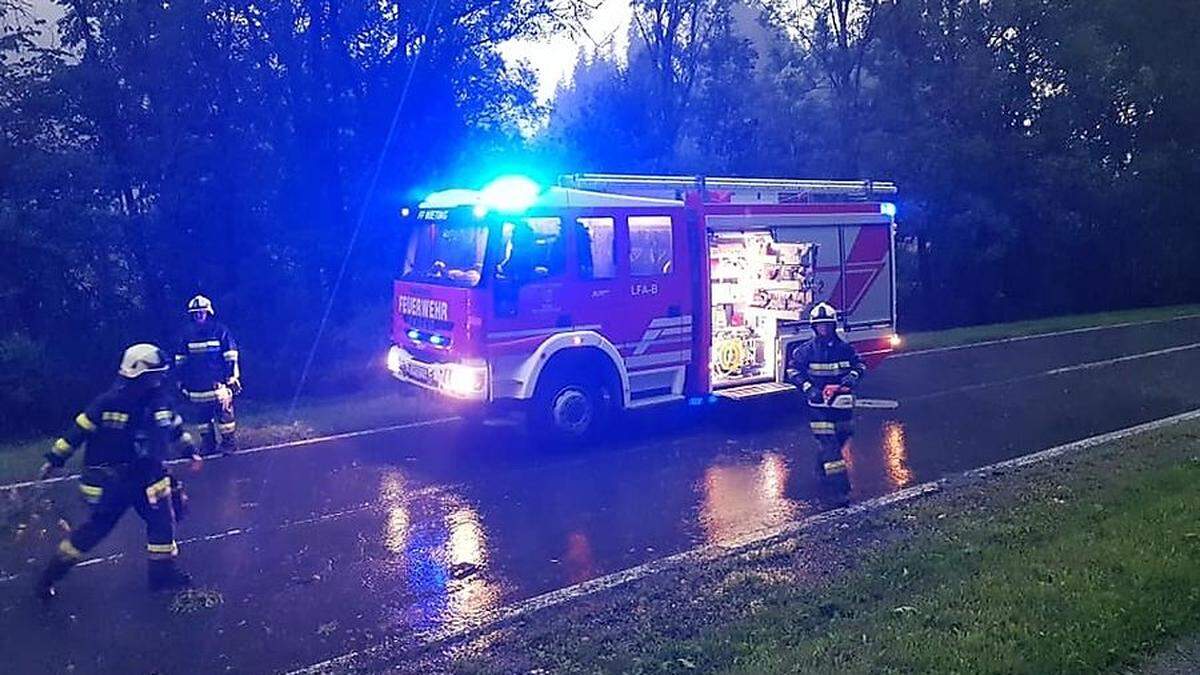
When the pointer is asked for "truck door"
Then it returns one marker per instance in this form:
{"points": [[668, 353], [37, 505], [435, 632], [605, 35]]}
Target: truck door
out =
{"points": [[633, 288], [854, 268], [866, 290], [529, 277]]}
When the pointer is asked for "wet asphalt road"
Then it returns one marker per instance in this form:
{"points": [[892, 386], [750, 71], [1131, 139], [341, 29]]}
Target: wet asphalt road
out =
{"points": [[323, 549]]}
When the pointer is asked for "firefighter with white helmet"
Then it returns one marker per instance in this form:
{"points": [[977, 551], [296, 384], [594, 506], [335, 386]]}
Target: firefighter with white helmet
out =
{"points": [[827, 368], [206, 357], [129, 432]]}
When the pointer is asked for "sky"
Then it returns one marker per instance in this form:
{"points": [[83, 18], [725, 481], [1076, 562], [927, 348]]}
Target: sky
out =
{"points": [[553, 59]]}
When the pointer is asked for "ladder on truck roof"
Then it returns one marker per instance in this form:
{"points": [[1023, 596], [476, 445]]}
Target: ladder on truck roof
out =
{"points": [[732, 190]]}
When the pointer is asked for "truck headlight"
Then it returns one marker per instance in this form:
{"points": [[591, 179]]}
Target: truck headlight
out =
{"points": [[895, 341], [465, 380], [393, 359]]}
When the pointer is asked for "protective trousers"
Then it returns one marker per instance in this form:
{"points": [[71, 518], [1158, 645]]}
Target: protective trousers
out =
{"points": [[110, 492], [210, 416], [832, 427]]}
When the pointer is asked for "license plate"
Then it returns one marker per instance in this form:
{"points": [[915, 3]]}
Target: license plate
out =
{"points": [[418, 372]]}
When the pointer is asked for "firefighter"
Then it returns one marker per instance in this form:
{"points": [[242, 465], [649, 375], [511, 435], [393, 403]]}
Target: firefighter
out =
{"points": [[129, 432], [207, 359], [825, 368]]}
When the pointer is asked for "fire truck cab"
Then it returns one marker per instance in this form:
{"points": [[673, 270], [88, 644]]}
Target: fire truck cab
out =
{"points": [[610, 292]]}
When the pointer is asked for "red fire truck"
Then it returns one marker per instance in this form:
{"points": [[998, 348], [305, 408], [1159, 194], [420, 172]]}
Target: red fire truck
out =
{"points": [[610, 292]]}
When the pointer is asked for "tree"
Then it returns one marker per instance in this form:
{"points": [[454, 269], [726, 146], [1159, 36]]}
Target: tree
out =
{"points": [[229, 146]]}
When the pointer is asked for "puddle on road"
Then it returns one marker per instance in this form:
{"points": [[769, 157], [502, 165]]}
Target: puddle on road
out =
{"points": [[447, 554], [738, 499]]}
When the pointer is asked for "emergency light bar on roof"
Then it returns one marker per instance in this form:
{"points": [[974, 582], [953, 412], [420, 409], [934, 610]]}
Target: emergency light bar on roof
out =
{"points": [[553, 197], [737, 190]]}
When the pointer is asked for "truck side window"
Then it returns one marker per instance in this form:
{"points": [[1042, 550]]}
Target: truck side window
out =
{"points": [[594, 239], [531, 249], [650, 245]]}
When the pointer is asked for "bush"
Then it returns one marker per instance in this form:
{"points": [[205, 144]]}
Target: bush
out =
{"points": [[24, 390]]}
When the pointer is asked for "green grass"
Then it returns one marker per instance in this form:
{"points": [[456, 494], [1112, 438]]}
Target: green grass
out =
{"points": [[970, 334], [1088, 563], [262, 423], [270, 422], [19, 460], [1084, 577]]}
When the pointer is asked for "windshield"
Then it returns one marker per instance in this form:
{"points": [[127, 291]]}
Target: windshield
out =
{"points": [[445, 248]]}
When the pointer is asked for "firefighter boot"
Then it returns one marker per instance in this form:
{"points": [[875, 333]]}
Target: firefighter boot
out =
{"points": [[55, 570], [165, 575], [834, 492], [229, 444], [830, 461], [832, 468], [204, 439]]}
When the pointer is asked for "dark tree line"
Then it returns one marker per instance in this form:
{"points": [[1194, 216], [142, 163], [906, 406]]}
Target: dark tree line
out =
{"points": [[1046, 150], [158, 149]]}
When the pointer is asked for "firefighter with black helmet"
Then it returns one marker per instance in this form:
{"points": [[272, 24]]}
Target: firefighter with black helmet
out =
{"points": [[129, 431], [206, 357], [827, 368]]}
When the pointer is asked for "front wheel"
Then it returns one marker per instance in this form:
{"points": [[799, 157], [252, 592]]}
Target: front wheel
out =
{"points": [[571, 409]]}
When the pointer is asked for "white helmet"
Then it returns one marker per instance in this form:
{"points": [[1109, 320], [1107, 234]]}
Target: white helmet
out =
{"points": [[143, 358], [200, 304], [823, 312]]}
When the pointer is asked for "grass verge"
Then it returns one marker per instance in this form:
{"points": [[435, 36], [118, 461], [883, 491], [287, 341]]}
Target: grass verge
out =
{"points": [[263, 423], [1060, 585], [998, 331], [1081, 565]]}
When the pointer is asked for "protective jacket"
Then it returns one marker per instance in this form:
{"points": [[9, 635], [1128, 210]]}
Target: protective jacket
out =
{"points": [[824, 361], [205, 355], [122, 426]]}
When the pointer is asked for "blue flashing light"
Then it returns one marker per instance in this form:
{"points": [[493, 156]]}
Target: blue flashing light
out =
{"points": [[414, 335], [437, 340], [479, 211], [509, 194], [888, 209], [449, 199]]}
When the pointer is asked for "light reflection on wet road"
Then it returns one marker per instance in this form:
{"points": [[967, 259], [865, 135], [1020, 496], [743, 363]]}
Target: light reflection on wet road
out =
{"points": [[338, 545]]}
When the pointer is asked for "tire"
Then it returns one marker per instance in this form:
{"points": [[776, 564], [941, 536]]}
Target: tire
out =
{"points": [[571, 407]]}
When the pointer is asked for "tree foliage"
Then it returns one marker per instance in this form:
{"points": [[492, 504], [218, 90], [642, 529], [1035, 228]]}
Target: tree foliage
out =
{"points": [[226, 147], [1043, 147], [1046, 151]]}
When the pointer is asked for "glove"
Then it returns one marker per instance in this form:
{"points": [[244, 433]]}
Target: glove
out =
{"points": [[235, 385], [830, 390], [189, 447], [815, 395], [48, 470]]}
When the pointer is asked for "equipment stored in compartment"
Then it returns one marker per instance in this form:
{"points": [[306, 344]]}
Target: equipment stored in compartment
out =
{"points": [[756, 283]]}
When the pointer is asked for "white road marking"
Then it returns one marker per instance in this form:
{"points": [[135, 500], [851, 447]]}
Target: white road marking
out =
{"points": [[755, 538], [333, 437], [714, 552], [1039, 336], [421, 423], [261, 448], [1053, 371]]}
